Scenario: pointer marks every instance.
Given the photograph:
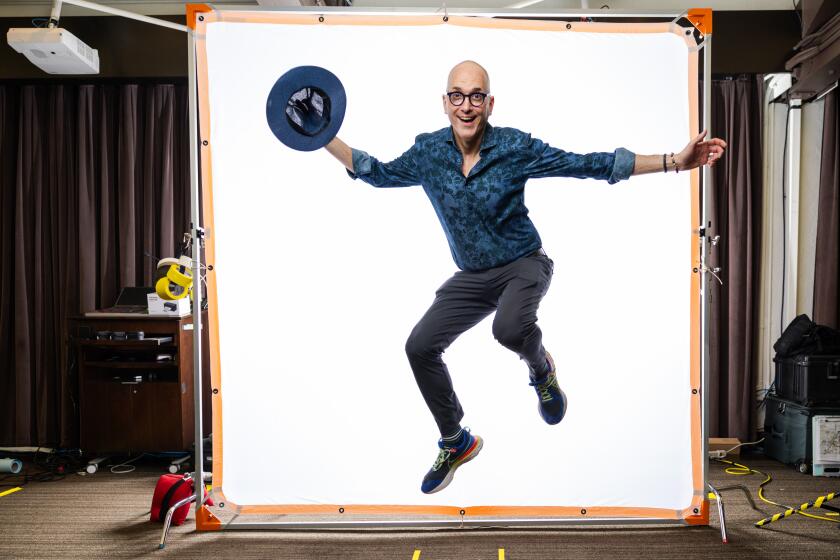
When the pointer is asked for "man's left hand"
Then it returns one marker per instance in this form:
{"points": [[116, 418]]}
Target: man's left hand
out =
{"points": [[700, 152]]}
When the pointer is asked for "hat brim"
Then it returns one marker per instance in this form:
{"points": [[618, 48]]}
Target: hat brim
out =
{"points": [[293, 81]]}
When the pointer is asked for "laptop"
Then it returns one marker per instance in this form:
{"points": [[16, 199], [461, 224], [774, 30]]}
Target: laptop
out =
{"points": [[131, 301]]}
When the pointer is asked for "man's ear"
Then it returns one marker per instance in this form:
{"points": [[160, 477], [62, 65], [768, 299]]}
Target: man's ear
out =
{"points": [[492, 102], [443, 98]]}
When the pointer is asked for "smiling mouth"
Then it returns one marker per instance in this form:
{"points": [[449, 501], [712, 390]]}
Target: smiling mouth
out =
{"points": [[466, 119]]}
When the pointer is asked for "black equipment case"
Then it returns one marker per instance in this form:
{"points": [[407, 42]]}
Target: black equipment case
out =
{"points": [[809, 379], [787, 430]]}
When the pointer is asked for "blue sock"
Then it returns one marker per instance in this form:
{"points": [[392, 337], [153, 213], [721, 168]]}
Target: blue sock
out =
{"points": [[455, 438]]}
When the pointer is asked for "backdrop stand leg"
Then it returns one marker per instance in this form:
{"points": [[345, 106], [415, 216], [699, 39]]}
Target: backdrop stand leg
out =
{"points": [[197, 233], [168, 520], [721, 514]]}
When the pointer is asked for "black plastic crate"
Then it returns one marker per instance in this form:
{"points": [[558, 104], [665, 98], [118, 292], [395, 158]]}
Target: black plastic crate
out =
{"points": [[787, 430], [809, 380]]}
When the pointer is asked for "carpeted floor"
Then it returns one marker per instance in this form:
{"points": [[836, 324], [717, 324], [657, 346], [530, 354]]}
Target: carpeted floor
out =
{"points": [[105, 515]]}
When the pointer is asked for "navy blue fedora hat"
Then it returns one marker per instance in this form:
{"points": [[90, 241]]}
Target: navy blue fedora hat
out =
{"points": [[305, 108]]}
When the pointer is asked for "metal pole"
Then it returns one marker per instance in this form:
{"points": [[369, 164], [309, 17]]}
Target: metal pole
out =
{"points": [[444, 523], [791, 212], [574, 14], [197, 239], [721, 514], [707, 185], [55, 14], [123, 13]]}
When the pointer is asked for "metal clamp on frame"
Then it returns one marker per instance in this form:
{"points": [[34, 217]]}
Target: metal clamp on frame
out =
{"points": [[704, 267]]}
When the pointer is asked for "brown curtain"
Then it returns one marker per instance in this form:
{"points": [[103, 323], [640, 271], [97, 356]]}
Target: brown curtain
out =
{"points": [[735, 215], [93, 179], [827, 265]]}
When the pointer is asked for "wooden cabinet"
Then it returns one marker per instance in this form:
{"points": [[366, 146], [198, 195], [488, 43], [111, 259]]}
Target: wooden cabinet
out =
{"points": [[137, 395]]}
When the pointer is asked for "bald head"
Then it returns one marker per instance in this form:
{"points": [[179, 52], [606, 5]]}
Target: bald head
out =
{"points": [[474, 106], [468, 71]]}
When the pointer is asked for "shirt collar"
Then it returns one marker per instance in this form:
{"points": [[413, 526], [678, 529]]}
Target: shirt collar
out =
{"points": [[487, 141]]}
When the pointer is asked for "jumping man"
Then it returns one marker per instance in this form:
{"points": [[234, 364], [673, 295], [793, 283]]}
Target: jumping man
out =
{"points": [[475, 175]]}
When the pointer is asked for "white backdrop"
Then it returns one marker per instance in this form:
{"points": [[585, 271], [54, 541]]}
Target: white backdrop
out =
{"points": [[319, 402]]}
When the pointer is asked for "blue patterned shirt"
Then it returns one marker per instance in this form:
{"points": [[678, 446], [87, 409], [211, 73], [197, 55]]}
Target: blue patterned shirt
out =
{"points": [[484, 214]]}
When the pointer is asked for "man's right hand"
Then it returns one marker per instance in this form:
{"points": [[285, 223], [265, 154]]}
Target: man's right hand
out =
{"points": [[342, 152]]}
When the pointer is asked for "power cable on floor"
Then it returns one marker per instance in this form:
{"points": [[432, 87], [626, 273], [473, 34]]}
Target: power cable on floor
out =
{"points": [[117, 469], [739, 469]]}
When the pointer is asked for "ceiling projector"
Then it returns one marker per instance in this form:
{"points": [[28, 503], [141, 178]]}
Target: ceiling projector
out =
{"points": [[54, 50]]}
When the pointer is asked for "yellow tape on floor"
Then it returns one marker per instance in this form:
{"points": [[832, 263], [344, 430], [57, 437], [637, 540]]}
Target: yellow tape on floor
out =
{"points": [[417, 554]]}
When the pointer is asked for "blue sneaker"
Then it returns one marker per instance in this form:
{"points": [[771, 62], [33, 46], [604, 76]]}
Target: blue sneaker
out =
{"points": [[552, 403], [449, 458]]}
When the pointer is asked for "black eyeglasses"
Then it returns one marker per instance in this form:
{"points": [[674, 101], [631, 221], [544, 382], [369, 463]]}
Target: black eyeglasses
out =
{"points": [[476, 98]]}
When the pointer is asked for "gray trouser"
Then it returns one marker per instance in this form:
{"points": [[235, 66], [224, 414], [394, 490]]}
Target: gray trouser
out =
{"points": [[513, 291]]}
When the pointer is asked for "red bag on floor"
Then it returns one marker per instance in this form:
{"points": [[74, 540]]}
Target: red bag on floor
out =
{"points": [[171, 489]]}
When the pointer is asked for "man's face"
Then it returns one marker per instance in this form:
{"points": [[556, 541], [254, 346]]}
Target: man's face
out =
{"points": [[468, 122]]}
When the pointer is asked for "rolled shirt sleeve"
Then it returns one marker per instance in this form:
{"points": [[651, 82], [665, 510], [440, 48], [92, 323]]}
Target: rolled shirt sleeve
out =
{"points": [[625, 163], [401, 172], [361, 164]]}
